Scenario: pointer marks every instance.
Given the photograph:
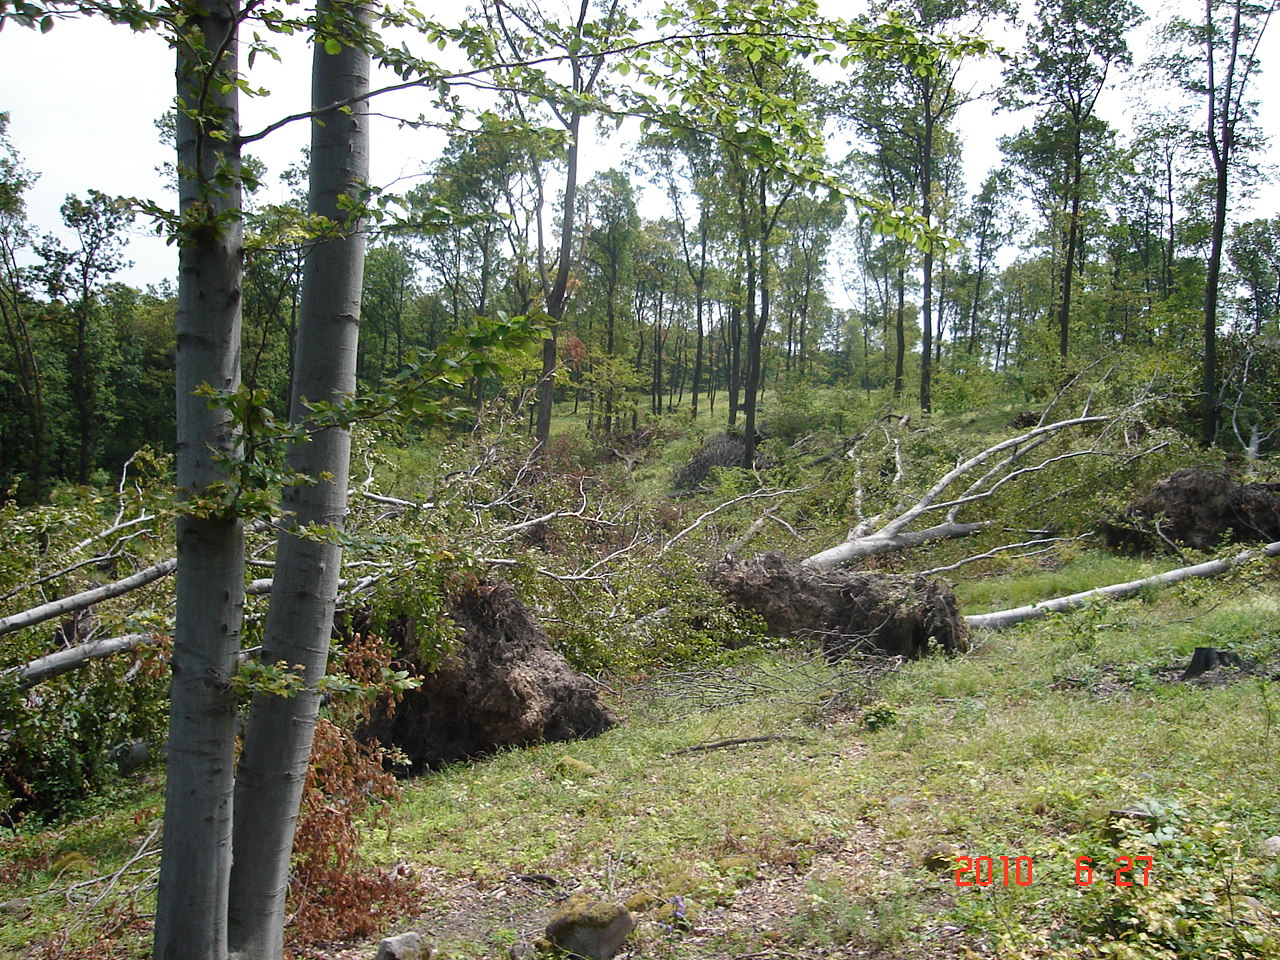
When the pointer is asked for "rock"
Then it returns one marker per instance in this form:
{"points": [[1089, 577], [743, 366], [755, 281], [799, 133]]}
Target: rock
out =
{"points": [[500, 685], [941, 857], [849, 612], [1198, 508], [568, 766], [590, 928], [1271, 847], [406, 946]]}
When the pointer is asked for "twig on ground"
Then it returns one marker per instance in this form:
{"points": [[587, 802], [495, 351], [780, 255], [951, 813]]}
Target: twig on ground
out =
{"points": [[736, 742]]}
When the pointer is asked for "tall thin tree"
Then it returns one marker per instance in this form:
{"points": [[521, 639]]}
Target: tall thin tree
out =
{"points": [[299, 623]]}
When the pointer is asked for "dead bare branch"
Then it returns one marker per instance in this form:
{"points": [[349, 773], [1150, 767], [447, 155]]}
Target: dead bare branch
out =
{"points": [[63, 661], [79, 601], [1049, 543], [736, 742], [868, 540], [756, 495]]}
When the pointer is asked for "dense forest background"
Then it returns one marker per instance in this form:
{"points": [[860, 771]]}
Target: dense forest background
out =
{"points": [[698, 279]]}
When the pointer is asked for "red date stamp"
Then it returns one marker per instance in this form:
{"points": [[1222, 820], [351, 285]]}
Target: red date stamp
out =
{"points": [[1019, 871]]}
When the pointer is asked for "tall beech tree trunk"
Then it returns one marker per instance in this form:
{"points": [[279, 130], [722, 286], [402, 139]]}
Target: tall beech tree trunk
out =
{"points": [[196, 863], [557, 296], [900, 333], [277, 747], [1072, 246], [926, 211]]}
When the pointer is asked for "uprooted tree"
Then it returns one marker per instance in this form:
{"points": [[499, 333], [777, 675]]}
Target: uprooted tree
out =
{"points": [[973, 480]]}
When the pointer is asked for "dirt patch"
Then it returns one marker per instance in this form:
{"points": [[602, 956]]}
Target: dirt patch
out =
{"points": [[850, 612], [1115, 679], [1201, 509], [502, 685]]}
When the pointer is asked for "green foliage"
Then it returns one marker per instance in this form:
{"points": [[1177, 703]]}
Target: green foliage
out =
{"points": [[60, 741], [57, 738]]}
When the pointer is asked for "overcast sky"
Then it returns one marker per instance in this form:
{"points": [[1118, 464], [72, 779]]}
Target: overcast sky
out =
{"points": [[83, 100]]}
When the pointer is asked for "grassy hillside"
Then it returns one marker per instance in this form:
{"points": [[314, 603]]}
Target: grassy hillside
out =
{"points": [[761, 803], [809, 839]]}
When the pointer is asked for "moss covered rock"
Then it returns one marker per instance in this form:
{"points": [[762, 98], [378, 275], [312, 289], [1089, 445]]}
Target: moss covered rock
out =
{"points": [[593, 929]]}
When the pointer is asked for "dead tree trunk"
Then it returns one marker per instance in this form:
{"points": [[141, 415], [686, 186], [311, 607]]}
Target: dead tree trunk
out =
{"points": [[1002, 463], [1213, 568]]}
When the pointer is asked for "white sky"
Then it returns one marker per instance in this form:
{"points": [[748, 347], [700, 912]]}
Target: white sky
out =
{"points": [[83, 100]]}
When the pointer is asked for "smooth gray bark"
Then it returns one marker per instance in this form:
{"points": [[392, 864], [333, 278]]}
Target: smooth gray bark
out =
{"points": [[891, 535], [878, 543], [87, 598], [63, 661], [1213, 568], [196, 864], [277, 746]]}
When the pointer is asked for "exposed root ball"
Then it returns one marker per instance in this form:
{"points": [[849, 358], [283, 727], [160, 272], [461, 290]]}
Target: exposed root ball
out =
{"points": [[849, 612], [502, 685], [1198, 508], [721, 450]]}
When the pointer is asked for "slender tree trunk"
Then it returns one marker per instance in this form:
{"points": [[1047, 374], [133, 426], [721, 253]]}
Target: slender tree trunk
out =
{"points": [[1069, 257], [926, 311], [697, 354], [277, 747], [1213, 278], [757, 328], [735, 362], [557, 295], [900, 354], [196, 863]]}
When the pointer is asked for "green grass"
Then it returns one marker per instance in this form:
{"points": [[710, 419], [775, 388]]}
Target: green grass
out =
{"points": [[62, 868], [1011, 584], [1020, 748], [811, 843]]}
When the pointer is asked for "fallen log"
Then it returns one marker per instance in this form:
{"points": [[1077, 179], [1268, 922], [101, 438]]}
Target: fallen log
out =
{"points": [[87, 598], [64, 661], [877, 543], [986, 472], [1213, 568]]}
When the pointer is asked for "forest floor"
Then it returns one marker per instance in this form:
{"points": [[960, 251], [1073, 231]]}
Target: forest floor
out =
{"points": [[810, 838], [769, 805]]}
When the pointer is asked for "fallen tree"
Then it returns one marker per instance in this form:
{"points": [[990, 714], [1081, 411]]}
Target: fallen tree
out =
{"points": [[848, 612], [1212, 568], [87, 598], [500, 684], [1199, 508], [1000, 464], [64, 661]]}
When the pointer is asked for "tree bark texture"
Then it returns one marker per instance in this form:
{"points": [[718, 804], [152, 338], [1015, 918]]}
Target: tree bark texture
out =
{"points": [[196, 864], [277, 746], [878, 543]]}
